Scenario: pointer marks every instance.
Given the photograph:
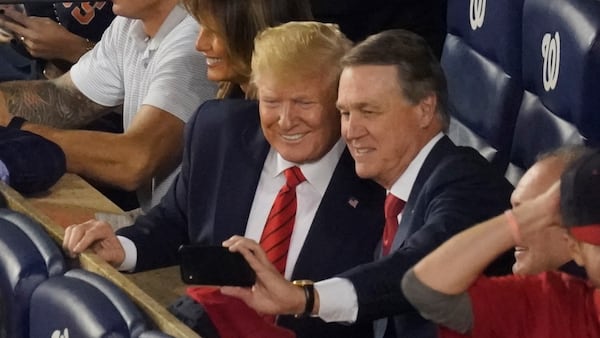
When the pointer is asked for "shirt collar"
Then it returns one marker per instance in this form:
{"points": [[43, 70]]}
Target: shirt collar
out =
{"points": [[402, 187], [318, 173], [176, 15]]}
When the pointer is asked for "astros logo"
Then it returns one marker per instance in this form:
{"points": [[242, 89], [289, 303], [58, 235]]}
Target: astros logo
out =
{"points": [[84, 12]]}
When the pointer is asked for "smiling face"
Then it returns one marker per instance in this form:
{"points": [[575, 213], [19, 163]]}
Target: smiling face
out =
{"points": [[548, 250], [214, 47], [383, 130], [298, 118]]}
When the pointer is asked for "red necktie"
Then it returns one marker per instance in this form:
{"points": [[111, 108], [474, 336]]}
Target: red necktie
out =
{"points": [[275, 239], [393, 207]]}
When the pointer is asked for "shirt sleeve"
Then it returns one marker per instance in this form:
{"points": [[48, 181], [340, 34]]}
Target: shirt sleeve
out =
{"points": [[337, 299], [452, 311], [179, 84], [97, 74], [130, 260]]}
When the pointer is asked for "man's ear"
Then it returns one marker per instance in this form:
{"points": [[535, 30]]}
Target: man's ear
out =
{"points": [[575, 249], [427, 109]]}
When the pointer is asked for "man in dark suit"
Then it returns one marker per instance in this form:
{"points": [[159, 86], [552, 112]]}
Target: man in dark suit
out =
{"points": [[235, 154], [392, 98]]}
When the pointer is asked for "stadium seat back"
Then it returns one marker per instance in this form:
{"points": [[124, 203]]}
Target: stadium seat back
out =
{"points": [[29, 256], [83, 304]]}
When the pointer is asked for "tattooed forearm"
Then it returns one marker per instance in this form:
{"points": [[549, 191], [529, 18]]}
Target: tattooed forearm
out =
{"points": [[55, 103]]}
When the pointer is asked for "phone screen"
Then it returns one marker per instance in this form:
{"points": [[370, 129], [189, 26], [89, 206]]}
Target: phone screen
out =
{"points": [[214, 265]]}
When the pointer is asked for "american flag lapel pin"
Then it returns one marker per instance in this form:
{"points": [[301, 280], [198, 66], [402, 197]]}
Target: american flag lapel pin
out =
{"points": [[353, 202]]}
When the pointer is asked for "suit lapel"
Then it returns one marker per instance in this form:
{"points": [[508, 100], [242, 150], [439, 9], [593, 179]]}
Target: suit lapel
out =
{"points": [[337, 208], [443, 147]]}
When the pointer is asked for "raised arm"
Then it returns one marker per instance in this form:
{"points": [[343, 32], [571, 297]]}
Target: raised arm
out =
{"points": [[437, 285], [452, 268]]}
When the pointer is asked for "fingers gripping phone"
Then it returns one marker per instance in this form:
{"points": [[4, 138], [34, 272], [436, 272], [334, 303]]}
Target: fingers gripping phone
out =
{"points": [[214, 265], [5, 33]]}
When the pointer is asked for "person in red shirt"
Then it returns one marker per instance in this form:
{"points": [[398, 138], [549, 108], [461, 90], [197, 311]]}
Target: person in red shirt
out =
{"points": [[447, 286], [548, 251]]}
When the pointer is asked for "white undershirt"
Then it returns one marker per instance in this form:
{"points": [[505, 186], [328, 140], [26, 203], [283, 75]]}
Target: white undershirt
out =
{"points": [[309, 195]]}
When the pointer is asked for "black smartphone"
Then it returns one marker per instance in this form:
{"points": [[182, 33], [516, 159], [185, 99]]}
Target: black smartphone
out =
{"points": [[214, 265]]}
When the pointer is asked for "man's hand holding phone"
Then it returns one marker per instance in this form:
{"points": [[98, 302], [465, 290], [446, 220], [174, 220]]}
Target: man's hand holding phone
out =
{"points": [[271, 293], [42, 37], [11, 18]]}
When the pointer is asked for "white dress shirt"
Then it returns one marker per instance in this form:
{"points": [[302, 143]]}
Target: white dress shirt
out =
{"points": [[308, 195], [337, 297]]}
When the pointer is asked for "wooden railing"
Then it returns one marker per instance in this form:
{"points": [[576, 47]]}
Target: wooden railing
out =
{"points": [[73, 200]]}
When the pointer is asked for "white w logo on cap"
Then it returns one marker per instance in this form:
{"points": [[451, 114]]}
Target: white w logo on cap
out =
{"points": [[551, 55], [477, 13]]}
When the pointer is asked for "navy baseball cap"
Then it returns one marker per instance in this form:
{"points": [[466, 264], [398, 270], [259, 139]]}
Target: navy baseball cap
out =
{"points": [[34, 163], [580, 198]]}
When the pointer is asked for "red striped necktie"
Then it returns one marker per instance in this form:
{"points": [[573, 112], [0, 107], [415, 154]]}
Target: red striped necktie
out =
{"points": [[275, 239], [393, 207]]}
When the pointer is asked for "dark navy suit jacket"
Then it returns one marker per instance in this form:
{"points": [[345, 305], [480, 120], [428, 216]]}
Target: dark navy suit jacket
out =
{"points": [[211, 199], [455, 188]]}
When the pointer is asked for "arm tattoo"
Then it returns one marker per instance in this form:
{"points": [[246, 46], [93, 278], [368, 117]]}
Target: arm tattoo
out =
{"points": [[56, 103]]}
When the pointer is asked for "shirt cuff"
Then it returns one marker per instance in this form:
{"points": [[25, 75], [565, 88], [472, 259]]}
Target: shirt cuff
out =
{"points": [[337, 300], [130, 260]]}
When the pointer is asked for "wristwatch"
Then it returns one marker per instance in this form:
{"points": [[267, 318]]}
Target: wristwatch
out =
{"points": [[309, 294]]}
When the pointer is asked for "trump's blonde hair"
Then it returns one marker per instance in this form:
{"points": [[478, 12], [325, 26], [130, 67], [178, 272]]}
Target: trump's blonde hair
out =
{"points": [[295, 50]]}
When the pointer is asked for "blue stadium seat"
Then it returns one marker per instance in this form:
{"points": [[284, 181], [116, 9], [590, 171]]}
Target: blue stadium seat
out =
{"points": [[482, 62], [49, 250], [83, 304], [29, 256], [561, 78], [492, 28]]}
